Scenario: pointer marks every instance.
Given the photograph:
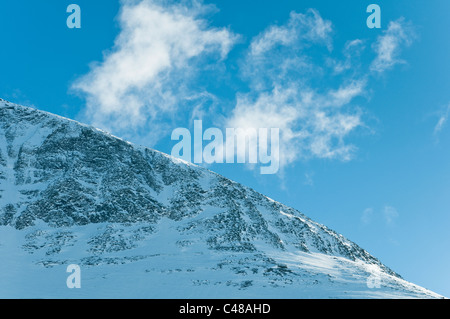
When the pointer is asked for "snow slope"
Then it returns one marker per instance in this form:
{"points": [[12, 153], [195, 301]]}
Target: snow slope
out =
{"points": [[142, 224]]}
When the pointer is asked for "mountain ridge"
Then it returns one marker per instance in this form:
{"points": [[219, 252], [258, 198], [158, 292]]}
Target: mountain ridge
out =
{"points": [[74, 193]]}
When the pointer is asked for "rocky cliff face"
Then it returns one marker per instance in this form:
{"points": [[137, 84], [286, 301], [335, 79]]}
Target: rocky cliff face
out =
{"points": [[151, 225]]}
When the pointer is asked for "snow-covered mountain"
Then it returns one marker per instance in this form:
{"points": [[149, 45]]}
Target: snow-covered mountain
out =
{"points": [[142, 224]]}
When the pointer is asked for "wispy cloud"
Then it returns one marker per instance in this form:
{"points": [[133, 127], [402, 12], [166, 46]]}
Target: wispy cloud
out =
{"points": [[367, 216], [300, 27], [309, 179], [313, 121], [146, 73], [352, 53], [292, 71], [278, 53], [443, 117], [387, 215], [388, 46], [390, 215], [292, 78]]}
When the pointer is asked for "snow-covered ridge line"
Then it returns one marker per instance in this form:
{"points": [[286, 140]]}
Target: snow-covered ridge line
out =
{"points": [[70, 193]]}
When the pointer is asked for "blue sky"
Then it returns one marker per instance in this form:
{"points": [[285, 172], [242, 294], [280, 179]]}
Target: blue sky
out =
{"points": [[375, 167]]}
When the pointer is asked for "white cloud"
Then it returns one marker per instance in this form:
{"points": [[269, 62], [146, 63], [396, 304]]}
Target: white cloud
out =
{"points": [[278, 53], [352, 52], [293, 85], [387, 214], [367, 216], [144, 75], [300, 27], [354, 47], [151, 71], [309, 179], [390, 215], [313, 121], [389, 45], [310, 125], [442, 120], [345, 94]]}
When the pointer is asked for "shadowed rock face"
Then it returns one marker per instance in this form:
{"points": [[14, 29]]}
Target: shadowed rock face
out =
{"points": [[57, 175]]}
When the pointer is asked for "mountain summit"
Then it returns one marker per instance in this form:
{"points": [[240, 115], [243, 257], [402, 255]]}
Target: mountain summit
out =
{"points": [[142, 224]]}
